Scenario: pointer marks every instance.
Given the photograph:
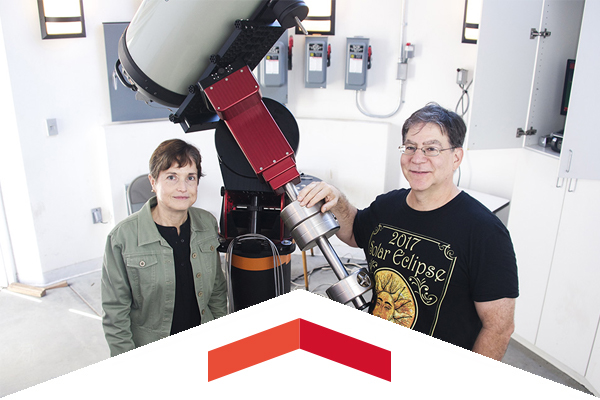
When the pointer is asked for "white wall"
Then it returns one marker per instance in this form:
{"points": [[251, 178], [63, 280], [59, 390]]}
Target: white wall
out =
{"points": [[50, 184], [7, 261]]}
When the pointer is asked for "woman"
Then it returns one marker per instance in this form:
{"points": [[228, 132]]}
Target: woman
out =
{"points": [[162, 273]]}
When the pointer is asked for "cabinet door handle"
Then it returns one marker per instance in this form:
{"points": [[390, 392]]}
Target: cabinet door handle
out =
{"points": [[572, 187], [570, 159], [559, 182]]}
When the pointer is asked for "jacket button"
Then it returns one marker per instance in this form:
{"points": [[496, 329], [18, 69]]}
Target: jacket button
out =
{"points": [[199, 294], [142, 263], [198, 275], [194, 255], [202, 312], [212, 248]]}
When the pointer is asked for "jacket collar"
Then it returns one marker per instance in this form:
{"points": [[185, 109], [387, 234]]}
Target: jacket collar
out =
{"points": [[147, 230]]}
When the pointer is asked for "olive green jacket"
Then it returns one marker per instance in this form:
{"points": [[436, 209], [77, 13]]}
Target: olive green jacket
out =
{"points": [[138, 278]]}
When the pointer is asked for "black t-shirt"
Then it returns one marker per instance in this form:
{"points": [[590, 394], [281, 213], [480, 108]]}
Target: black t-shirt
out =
{"points": [[186, 314], [429, 267]]}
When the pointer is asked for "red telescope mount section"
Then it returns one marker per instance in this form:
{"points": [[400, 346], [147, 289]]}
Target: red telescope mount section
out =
{"points": [[236, 99]]}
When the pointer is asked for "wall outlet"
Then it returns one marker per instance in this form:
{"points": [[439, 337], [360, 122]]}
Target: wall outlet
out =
{"points": [[97, 215], [52, 127]]}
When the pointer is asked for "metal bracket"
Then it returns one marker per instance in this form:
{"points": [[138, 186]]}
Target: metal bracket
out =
{"points": [[572, 187], [529, 132], [534, 33]]}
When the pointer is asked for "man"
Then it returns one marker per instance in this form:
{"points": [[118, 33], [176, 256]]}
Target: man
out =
{"points": [[442, 263]]}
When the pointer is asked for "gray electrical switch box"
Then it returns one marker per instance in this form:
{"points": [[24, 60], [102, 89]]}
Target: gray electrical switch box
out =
{"points": [[272, 71], [357, 58], [316, 62]]}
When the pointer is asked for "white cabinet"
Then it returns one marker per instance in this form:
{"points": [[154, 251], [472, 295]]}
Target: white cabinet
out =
{"points": [[519, 80], [571, 312], [533, 224], [556, 232], [580, 157], [503, 73], [593, 370]]}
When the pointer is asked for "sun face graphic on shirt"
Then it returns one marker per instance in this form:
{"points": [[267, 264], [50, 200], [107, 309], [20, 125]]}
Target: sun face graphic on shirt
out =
{"points": [[395, 301]]}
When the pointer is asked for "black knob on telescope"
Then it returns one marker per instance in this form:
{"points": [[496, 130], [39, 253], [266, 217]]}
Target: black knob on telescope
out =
{"points": [[286, 12]]}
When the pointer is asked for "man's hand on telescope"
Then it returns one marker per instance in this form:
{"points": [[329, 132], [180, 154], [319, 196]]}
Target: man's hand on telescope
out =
{"points": [[336, 202]]}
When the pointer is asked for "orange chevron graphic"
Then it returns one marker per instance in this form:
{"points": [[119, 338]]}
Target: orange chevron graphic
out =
{"points": [[299, 334]]}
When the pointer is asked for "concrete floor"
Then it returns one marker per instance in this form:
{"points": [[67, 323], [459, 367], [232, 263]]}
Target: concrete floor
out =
{"points": [[43, 338]]}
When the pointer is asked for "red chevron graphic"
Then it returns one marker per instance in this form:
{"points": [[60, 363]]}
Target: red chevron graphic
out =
{"points": [[299, 334]]}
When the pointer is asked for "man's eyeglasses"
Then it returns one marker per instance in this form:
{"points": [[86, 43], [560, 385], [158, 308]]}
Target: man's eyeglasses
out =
{"points": [[428, 151]]}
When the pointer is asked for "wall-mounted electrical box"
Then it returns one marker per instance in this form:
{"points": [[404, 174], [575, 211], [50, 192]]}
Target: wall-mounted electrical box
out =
{"points": [[316, 62], [462, 77], [272, 71], [357, 63]]}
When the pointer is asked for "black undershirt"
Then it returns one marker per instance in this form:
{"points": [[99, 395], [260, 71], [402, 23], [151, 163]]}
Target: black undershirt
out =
{"points": [[186, 314]]}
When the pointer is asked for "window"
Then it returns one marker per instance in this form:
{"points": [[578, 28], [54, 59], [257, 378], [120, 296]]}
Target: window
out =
{"points": [[471, 21], [321, 17]]}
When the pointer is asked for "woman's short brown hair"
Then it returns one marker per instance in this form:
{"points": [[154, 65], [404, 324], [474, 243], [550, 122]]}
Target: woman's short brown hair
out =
{"points": [[174, 152]]}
